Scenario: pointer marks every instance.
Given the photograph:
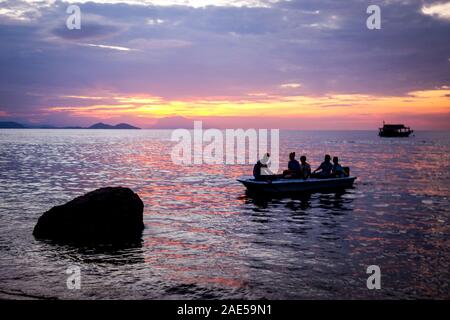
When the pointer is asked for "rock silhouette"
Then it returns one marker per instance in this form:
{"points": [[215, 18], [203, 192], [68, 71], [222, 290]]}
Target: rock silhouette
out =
{"points": [[106, 215]]}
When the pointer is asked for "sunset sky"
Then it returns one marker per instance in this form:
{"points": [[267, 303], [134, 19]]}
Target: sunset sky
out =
{"points": [[299, 64]]}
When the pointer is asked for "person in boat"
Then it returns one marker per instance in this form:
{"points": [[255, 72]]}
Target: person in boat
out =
{"points": [[260, 169], [293, 170], [257, 170], [305, 168], [324, 169], [337, 170]]}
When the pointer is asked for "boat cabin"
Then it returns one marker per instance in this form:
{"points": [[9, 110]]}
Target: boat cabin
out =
{"points": [[394, 130]]}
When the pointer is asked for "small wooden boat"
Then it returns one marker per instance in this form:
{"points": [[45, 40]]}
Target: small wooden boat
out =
{"points": [[394, 130], [296, 185]]}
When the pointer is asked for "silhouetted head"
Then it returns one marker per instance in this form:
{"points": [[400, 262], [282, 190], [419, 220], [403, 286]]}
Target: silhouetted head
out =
{"points": [[292, 155], [265, 158], [335, 160], [303, 159], [327, 158]]}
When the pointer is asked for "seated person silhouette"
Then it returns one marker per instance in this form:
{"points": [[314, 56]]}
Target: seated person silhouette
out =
{"points": [[293, 170], [324, 169], [260, 169], [337, 170], [305, 168]]}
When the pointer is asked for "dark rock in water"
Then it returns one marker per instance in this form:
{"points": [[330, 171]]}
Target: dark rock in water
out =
{"points": [[106, 215]]}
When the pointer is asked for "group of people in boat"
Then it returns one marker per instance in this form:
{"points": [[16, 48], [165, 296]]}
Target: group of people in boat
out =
{"points": [[302, 169]]}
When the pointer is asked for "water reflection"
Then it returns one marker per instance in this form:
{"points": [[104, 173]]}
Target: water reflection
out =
{"points": [[336, 202], [114, 254], [204, 238]]}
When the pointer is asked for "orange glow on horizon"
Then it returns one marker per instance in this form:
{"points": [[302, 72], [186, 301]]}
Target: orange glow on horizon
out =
{"points": [[430, 102]]}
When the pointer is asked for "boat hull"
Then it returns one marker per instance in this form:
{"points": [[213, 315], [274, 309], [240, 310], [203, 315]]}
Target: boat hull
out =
{"points": [[395, 134], [280, 186]]}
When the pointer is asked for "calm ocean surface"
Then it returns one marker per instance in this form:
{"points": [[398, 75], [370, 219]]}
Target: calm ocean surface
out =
{"points": [[204, 238]]}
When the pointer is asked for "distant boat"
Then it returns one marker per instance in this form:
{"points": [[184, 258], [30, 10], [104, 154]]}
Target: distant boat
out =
{"points": [[394, 130], [280, 186]]}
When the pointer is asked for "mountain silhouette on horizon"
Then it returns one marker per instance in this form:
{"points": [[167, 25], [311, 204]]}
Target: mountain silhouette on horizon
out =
{"points": [[11, 125], [173, 122], [99, 125]]}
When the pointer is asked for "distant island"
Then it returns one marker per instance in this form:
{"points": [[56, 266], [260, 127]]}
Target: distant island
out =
{"points": [[11, 125], [172, 122], [100, 125]]}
